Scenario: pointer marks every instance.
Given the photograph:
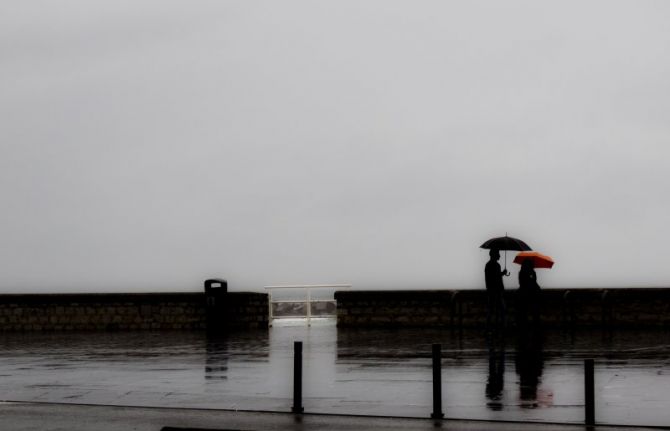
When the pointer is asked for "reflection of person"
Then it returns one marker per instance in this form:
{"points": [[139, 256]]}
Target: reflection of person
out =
{"points": [[496, 378], [529, 363], [528, 293], [495, 289]]}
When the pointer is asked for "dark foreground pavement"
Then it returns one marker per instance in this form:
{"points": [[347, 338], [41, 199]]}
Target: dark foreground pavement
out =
{"points": [[73, 417]]}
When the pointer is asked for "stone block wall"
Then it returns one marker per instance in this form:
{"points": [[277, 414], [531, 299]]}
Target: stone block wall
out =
{"points": [[241, 311], [141, 311], [467, 308]]}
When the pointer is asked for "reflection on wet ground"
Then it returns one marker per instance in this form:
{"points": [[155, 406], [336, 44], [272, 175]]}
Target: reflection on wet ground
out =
{"points": [[517, 376]]}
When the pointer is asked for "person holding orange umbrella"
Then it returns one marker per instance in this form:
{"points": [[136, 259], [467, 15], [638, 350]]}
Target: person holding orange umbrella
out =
{"points": [[529, 289]]}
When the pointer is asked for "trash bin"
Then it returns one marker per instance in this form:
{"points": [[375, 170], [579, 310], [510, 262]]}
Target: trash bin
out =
{"points": [[216, 290]]}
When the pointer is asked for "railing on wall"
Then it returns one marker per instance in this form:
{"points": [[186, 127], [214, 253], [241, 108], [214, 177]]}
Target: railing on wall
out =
{"points": [[305, 298]]}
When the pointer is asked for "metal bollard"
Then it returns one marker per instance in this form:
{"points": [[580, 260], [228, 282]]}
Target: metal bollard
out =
{"points": [[437, 382], [297, 378], [589, 392]]}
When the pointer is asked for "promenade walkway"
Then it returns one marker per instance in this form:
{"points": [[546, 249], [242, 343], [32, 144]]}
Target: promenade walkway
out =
{"points": [[74, 417], [345, 372]]}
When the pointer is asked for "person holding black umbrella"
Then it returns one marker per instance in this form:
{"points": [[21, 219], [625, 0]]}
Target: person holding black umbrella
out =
{"points": [[494, 275], [495, 289]]}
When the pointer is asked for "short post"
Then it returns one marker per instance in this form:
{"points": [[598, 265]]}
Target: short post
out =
{"points": [[437, 382], [297, 378], [589, 393], [309, 307], [270, 317]]}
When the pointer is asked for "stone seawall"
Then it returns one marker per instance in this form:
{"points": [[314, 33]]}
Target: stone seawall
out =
{"points": [[467, 308], [137, 311]]}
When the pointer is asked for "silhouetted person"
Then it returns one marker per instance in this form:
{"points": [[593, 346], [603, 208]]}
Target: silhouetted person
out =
{"points": [[529, 364], [529, 294], [495, 290]]}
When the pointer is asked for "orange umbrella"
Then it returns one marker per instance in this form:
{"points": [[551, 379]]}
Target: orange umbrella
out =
{"points": [[539, 260]]}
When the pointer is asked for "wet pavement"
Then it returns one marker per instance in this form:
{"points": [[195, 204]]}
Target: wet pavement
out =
{"points": [[534, 377], [77, 417]]}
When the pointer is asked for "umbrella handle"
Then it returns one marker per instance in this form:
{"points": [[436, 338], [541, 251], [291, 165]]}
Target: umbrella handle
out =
{"points": [[506, 273]]}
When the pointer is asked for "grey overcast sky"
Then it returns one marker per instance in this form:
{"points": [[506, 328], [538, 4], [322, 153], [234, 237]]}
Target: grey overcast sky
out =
{"points": [[148, 145]]}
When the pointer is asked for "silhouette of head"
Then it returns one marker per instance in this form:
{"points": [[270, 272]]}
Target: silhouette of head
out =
{"points": [[527, 264], [494, 253]]}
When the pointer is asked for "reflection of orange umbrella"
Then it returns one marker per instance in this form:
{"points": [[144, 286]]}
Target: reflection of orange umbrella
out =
{"points": [[539, 260]]}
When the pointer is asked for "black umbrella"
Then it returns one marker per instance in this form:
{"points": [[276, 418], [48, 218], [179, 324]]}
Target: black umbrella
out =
{"points": [[506, 243]]}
